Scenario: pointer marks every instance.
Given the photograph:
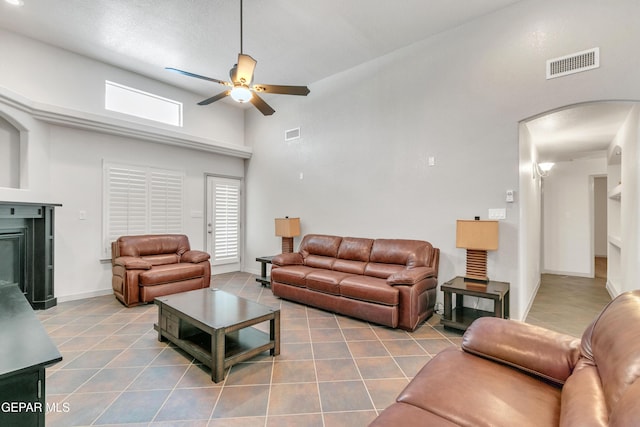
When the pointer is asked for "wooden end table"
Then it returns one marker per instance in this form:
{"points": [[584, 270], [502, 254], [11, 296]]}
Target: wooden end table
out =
{"points": [[264, 279], [214, 327], [461, 317]]}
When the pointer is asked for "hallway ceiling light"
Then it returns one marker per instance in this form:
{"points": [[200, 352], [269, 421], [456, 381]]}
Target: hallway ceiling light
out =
{"points": [[15, 2], [542, 169]]}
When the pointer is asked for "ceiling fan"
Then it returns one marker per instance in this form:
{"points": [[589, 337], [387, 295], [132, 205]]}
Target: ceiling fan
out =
{"points": [[241, 88]]}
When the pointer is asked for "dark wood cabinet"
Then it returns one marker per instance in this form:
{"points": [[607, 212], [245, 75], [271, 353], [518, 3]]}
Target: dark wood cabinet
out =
{"points": [[25, 353]]}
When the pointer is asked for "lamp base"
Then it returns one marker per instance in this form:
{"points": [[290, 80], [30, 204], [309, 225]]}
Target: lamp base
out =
{"points": [[287, 245], [477, 265]]}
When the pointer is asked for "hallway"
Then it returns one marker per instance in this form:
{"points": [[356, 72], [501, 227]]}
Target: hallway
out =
{"points": [[568, 304]]}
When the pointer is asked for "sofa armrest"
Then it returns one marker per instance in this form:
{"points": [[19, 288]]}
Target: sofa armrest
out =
{"points": [[132, 263], [291, 258], [411, 276], [547, 354], [194, 256]]}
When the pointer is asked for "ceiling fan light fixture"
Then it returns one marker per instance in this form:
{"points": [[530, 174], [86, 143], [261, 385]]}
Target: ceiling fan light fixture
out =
{"points": [[241, 94]]}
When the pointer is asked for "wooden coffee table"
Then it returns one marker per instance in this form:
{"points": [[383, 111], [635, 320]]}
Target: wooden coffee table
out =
{"points": [[214, 327]]}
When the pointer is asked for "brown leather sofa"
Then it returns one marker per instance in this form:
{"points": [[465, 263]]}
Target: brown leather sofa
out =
{"points": [[149, 266], [514, 374], [391, 282]]}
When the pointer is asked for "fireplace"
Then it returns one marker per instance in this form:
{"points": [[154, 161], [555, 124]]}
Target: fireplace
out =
{"points": [[26, 250], [13, 255]]}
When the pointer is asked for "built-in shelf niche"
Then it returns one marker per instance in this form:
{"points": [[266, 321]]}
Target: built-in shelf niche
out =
{"points": [[10, 156]]}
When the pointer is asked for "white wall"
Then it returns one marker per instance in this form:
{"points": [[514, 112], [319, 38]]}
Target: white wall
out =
{"points": [[530, 233], [458, 96], [54, 76], [63, 163], [76, 182], [568, 217], [629, 138]]}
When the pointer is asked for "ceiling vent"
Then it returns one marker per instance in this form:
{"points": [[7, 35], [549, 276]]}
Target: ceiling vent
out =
{"points": [[573, 63], [292, 134]]}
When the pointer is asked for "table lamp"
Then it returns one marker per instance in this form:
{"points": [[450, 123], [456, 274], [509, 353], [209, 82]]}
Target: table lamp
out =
{"points": [[287, 228], [477, 237]]}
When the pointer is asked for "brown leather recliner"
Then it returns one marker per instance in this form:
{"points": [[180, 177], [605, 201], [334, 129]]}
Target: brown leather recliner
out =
{"points": [[148, 266], [515, 374]]}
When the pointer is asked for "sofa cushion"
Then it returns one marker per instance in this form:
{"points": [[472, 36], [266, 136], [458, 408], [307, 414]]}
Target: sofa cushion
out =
{"points": [[410, 253], [371, 289], [291, 275], [400, 414], [170, 273], [326, 281], [320, 244], [319, 261], [153, 244], [162, 259], [454, 378], [355, 249], [382, 271], [347, 266]]}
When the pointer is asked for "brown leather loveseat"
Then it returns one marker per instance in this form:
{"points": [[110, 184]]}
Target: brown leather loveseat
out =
{"points": [[514, 374], [391, 282], [148, 266]]}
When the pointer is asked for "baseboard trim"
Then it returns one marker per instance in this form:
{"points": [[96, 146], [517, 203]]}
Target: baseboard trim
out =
{"points": [[612, 289], [83, 295], [568, 273], [531, 300]]}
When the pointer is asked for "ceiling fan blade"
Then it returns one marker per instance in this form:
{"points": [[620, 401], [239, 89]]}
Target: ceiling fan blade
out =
{"points": [[186, 73], [259, 103], [244, 72], [283, 90], [215, 98]]}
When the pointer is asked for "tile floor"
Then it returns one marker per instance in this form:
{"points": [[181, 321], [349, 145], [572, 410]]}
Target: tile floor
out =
{"points": [[332, 370]]}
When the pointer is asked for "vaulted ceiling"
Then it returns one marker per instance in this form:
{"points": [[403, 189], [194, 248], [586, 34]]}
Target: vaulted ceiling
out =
{"points": [[296, 42]]}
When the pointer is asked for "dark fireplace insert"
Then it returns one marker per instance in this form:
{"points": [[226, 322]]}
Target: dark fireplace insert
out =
{"points": [[13, 257]]}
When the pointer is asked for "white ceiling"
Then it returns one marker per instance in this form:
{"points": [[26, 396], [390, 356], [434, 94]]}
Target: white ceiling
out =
{"points": [[296, 42], [582, 131]]}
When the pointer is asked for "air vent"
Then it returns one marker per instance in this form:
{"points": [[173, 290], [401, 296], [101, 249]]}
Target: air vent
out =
{"points": [[573, 63], [292, 134]]}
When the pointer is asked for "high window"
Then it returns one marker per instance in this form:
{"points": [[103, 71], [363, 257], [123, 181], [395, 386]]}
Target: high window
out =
{"points": [[134, 102]]}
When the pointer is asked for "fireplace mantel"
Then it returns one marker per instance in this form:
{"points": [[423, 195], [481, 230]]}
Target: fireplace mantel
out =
{"points": [[28, 228]]}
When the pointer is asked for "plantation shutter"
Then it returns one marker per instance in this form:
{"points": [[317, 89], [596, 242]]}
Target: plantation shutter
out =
{"points": [[165, 203], [226, 230], [140, 200]]}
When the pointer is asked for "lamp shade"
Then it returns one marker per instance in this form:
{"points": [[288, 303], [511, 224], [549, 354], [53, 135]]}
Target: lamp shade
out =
{"points": [[287, 227], [474, 234]]}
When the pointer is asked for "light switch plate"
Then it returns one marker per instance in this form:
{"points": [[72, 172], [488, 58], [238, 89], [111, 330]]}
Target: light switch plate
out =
{"points": [[497, 213]]}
